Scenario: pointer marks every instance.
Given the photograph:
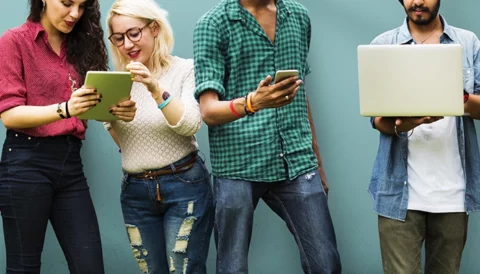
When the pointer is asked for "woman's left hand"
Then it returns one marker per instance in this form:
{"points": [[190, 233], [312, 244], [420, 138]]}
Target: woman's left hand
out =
{"points": [[140, 73], [125, 110]]}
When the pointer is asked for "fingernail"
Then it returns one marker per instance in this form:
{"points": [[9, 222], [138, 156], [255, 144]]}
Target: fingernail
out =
{"points": [[99, 100], [111, 111], [101, 96]]}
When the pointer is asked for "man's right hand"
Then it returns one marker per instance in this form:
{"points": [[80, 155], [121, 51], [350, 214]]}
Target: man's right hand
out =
{"points": [[408, 123], [276, 95]]}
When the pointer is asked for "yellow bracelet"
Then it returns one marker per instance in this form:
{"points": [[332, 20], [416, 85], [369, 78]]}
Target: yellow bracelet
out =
{"points": [[249, 103]]}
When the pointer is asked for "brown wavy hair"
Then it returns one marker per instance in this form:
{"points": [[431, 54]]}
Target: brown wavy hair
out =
{"points": [[86, 48]]}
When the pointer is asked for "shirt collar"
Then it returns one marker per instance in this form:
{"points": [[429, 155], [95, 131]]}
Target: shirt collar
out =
{"points": [[406, 37], [38, 32], [36, 29], [235, 11]]}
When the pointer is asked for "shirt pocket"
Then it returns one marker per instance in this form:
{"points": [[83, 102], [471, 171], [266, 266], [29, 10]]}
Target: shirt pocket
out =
{"points": [[468, 79]]}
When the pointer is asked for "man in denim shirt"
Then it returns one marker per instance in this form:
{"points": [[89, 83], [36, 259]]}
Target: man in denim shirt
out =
{"points": [[424, 183]]}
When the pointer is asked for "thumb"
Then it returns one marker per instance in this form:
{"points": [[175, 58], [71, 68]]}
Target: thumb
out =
{"points": [[265, 82], [398, 122]]}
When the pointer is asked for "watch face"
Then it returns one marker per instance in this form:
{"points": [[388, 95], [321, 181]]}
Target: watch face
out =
{"points": [[165, 95]]}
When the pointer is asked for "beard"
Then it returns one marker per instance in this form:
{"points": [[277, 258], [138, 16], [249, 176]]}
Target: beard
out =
{"points": [[420, 20]]}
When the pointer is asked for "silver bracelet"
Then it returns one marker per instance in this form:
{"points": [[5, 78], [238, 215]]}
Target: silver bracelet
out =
{"points": [[399, 136]]}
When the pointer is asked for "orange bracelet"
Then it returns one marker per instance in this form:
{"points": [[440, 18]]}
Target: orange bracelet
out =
{"points": [[249, 103]]}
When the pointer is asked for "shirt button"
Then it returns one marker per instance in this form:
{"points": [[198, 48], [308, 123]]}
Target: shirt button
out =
{"points": [[16, 135], [281, 155], [405, 183]]}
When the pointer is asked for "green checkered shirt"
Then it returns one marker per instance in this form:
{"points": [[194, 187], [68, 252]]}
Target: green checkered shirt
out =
{"points": [[232, 55]]}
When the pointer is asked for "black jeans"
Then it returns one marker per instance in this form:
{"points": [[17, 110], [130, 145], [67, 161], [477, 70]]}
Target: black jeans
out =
{"points": [[42, 179]]}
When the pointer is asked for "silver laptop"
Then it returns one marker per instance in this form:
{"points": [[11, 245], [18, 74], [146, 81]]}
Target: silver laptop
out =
{"points": [[410, 80]]}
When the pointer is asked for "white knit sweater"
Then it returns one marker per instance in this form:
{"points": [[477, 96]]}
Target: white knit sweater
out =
{"points": [[149, 142]]}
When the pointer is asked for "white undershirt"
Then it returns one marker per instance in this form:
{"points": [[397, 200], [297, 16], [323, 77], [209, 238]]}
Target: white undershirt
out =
{"points": [[149, 142], [436, 181]]}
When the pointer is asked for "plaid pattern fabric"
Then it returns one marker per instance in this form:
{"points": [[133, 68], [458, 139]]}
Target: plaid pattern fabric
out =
{"points": [[232, 55]]}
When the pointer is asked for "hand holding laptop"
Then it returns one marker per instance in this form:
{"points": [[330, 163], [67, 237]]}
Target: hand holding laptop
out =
{"points": [[404, 124]]}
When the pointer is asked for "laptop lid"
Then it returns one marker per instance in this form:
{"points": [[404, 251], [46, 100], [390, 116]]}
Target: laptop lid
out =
{"points": [[410, 80]]}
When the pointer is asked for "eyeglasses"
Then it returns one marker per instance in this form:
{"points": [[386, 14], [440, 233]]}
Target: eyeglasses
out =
{"points": [[133, 34]]}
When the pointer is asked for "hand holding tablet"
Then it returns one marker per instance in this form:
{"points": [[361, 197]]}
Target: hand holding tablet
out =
{"points": [[114, 86]]}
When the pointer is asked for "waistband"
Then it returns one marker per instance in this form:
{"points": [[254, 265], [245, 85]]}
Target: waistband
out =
{"points": [[65, 139], [179, 166]]}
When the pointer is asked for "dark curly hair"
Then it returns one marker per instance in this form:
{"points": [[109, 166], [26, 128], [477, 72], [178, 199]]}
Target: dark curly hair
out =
{"points": [[86, 48]]}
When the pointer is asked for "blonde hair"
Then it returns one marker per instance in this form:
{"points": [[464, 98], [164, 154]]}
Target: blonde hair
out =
{"points": [[146, 10]]}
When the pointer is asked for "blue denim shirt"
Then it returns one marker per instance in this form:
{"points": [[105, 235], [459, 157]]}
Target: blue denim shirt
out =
{"points": [[388, 185]]}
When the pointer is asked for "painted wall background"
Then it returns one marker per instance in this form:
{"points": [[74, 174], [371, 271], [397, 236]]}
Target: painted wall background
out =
{"points": [[347, 142]]}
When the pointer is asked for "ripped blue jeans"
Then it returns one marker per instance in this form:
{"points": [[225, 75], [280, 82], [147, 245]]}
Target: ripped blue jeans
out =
{"points": [[301, 203], [171, 235]]}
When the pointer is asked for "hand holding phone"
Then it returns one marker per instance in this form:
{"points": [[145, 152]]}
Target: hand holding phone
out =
{"points": [[284, 74], [281, 93]]}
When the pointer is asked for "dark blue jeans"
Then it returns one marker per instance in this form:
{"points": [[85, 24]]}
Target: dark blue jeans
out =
{"points": [[301, 203], [42, 179], [171, 235]]}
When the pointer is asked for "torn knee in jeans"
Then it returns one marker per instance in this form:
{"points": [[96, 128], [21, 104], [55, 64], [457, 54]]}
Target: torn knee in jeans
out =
{"points": [[139, 253], [190, 208], [309, 176], [182, 238], [184, 268], [183, 235]]}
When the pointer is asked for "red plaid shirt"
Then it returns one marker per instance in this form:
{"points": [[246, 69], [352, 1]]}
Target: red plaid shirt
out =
{"points": [[32, 74]]}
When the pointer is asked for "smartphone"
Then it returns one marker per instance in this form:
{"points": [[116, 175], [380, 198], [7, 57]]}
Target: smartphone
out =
{"points": [[284, 74]]}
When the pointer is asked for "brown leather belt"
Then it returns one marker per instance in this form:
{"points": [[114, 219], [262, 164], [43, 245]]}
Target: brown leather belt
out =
{"points": [[153, 174]]}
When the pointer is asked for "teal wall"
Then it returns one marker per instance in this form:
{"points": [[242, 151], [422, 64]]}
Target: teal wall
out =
{"points": [[347, 143]]}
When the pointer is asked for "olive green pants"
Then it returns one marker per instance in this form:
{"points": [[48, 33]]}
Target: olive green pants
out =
{"points": [[401, 243]]}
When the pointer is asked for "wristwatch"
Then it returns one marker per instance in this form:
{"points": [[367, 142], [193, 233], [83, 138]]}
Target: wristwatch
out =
{"points": [[165, 95], [60, 111]]}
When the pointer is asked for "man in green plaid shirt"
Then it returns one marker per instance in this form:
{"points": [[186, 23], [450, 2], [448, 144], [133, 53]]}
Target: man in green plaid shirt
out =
{"points": [[259, 130]]}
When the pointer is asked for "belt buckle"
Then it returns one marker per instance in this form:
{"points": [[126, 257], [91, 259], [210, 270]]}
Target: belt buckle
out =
{"points": [[148, 175]]}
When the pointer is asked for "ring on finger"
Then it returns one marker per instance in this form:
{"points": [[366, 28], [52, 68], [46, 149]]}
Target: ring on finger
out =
{"points": [[287, 98]]}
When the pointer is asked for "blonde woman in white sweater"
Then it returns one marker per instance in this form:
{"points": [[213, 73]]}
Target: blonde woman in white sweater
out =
{"points": [[166, 195]]}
